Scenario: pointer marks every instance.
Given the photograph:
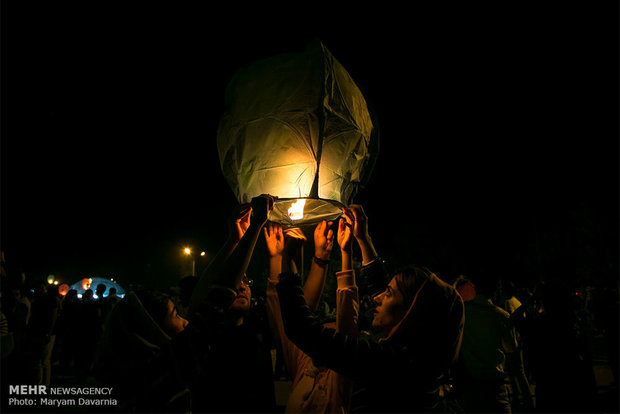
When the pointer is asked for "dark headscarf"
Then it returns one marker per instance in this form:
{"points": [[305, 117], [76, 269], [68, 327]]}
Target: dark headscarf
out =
{"points": [[433, 324]]}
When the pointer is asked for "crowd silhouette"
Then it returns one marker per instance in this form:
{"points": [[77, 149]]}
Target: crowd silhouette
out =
{"points": [[406, 341]]}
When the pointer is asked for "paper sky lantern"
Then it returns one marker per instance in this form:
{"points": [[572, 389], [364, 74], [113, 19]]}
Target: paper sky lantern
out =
{"points": [[86, 282], [63, 289], [297, 127]]}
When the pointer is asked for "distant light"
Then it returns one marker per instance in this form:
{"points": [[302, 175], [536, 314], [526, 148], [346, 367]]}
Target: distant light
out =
{"points": [[56, 282], [202, 253], [94, 281], [187, 250]]}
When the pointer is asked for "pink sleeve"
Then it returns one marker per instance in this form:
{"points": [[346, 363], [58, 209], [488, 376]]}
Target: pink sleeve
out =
{"points": [[347, 303]]}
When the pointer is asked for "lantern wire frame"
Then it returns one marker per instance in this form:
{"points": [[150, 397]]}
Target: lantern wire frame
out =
{"points": [[315, 211]]}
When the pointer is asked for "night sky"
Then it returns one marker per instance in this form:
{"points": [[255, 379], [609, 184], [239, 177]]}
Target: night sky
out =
{"points": [[498, 128]]}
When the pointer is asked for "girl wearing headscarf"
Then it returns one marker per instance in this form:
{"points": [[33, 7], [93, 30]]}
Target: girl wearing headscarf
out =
{"points": [[421, 316]]}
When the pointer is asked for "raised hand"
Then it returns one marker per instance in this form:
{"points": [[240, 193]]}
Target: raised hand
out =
{"points": [[360, 228], [360, 232], [274, 237], [239, 222], [345, 229], [323, 240]]}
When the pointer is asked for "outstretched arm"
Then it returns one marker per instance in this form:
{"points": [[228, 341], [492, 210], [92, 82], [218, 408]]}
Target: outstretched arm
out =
{"points": [[373, 275], [232, 260], [238, 223], [360, 232], [315, 282], [347, 296], [275, 240], [345, 239]]}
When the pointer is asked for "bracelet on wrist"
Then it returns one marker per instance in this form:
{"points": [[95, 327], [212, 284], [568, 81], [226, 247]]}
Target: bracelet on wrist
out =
{"points": [[320, 261]]}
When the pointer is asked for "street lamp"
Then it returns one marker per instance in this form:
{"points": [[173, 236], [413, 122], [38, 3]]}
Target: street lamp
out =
{"points": [[188, 252]]}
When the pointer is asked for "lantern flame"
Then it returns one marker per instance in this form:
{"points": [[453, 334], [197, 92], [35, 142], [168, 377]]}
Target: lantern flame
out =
{"points": [[296, 211]]}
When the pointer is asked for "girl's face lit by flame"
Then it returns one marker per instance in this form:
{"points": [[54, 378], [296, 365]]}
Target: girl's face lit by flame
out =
{"points": [[390, 308], [296, 211]]}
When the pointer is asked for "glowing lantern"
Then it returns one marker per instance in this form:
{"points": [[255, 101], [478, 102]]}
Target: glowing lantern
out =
{"points": [[63, 289], [297, 127], [50, 279], [86, 282]]}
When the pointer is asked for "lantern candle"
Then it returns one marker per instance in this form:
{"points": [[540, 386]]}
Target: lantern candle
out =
{"points": [[296, 211]]}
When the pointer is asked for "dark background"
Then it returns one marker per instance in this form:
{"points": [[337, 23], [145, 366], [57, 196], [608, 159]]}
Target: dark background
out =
{"points": [[499, 140]]}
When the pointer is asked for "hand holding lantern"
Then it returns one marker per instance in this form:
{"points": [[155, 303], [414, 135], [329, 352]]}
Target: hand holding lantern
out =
{"points": [[360, 232], [345, 230], [323, 240], [360, 229], [239, 222]]}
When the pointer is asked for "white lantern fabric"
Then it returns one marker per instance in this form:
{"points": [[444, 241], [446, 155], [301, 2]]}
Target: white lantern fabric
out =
{"points": [[297, 126]]}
